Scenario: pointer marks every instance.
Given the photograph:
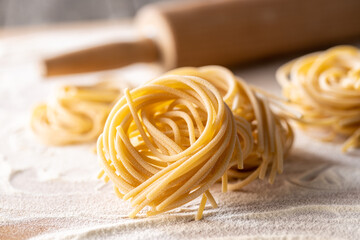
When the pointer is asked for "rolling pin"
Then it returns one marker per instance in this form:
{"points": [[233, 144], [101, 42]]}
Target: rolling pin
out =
{"points": [[224, 32]]}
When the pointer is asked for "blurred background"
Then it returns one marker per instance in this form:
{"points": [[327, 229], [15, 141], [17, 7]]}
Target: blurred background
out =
{"points": [[14, 13], [187, 33]]}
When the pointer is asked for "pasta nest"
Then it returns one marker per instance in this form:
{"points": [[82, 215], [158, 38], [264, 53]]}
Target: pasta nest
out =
{"points": [[325, 88], [75, 114], [165, 143], [272, 136]]}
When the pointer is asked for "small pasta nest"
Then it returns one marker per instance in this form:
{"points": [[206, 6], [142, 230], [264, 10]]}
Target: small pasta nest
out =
{"points": [[167, 142], [325, 88], [76, 114]]}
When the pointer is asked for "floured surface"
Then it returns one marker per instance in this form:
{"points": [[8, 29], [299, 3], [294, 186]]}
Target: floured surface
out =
{"points": [[53, 193]]}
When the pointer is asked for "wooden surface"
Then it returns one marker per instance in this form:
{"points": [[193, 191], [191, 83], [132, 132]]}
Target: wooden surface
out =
{"points": [[224, 32], [103, 57], [231, 32]]}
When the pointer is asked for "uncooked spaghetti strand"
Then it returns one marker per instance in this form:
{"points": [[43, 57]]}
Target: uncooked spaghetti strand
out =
{"points": [[201, 207]]}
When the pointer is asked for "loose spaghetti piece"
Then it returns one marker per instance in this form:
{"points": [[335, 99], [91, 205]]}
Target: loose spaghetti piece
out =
{"points": [[325, 88], [165, 143], [76, 114], [272, 134]]}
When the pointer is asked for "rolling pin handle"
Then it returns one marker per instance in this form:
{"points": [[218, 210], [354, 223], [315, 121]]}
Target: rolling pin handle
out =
{"points": [[104, 57]]}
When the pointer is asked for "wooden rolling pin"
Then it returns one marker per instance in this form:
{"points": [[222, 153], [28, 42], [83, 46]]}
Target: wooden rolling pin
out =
{"points": [[224, 32]]}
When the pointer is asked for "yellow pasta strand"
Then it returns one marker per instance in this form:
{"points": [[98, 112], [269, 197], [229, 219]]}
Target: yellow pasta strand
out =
{"points": [[76, 114], [201, 207], [325, 88], [167, 142]]}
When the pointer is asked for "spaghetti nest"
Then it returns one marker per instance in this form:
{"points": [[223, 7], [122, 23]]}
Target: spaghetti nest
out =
{"points": [[325, 88], [165, 143], [272, 136], [75, 114]]}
